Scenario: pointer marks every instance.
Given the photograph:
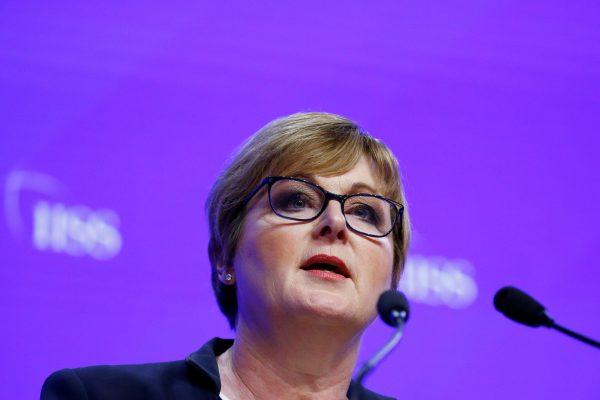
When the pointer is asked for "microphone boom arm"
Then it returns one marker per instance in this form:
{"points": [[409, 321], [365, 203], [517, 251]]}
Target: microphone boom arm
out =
{"points": [[575, 335], [387, 349]]}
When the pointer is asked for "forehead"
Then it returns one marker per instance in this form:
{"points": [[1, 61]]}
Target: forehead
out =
{"points": [[362, 177]]}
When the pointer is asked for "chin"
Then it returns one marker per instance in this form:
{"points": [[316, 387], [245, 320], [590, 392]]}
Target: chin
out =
{"points": [[328, 307]]}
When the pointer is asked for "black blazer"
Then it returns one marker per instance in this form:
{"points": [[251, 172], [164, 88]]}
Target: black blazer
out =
{"points": [[195, 378]]}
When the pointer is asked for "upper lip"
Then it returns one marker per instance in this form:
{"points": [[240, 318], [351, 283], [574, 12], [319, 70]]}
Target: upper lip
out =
{"points": [[340, 266]]}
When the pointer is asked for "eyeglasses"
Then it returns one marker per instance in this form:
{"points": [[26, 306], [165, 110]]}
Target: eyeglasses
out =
{"points": [[301, 200]]}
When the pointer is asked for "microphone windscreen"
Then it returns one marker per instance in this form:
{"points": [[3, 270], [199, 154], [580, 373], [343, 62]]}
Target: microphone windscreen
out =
{"points": [[520, 307], [390, 301]]}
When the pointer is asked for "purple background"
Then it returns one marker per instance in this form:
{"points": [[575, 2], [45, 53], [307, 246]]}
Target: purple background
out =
{"points": [[492, 110]]}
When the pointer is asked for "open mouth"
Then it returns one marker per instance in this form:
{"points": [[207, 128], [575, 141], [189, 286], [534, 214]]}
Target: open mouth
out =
{"points": [[325, 266]]}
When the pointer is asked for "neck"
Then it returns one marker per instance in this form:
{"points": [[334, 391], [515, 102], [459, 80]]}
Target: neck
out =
{"points": [[295, 360]]}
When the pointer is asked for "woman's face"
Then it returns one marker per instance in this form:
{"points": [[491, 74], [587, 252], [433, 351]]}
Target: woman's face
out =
{"points": [[273, 280]]}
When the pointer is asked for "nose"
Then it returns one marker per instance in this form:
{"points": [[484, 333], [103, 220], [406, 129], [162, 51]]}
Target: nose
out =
{"points": [[331, 224]]}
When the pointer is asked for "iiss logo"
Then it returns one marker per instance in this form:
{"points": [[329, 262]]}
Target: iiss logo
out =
{"points": [[439, 281], [32, 209]]}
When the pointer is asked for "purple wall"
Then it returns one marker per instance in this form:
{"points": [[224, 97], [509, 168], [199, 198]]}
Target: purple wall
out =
{"points": [[116, 120]]}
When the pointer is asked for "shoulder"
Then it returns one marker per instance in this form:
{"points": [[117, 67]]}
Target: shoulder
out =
{"points": [[369, 395], [196, 377], [360, 392], [141, 381]]}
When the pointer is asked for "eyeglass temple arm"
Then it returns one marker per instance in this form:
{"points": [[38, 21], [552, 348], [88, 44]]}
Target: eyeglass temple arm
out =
{"points": [[256, 189]]}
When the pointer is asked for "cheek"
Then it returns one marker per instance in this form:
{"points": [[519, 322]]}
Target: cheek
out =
{"points": [[265, 249], [381, 261]]}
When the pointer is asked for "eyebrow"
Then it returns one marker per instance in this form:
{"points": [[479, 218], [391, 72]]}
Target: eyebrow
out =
{"points": [[361, 186], [357, 187]]}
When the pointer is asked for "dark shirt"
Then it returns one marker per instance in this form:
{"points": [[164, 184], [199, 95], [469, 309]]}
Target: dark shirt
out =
{"points": [[195, 378]]}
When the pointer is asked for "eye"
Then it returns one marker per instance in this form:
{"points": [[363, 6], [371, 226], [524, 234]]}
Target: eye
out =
{"points": [[297, 200], [291, 201], [365, 213]]}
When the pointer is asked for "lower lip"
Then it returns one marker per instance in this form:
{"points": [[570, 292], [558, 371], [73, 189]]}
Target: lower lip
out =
{"points": [[325, 274]]}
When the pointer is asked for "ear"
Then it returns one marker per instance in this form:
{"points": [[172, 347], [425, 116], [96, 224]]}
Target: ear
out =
{"points": [[226, 275]]}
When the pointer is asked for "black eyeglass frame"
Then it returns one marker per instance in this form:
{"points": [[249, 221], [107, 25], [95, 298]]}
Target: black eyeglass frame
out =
{"points": [[341, 198]]}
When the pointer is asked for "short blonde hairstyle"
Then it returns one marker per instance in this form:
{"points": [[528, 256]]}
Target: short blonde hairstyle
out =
{"points": [[308, 143]]}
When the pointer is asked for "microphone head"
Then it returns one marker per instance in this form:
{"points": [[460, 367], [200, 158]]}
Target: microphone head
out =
{"points": [[520, 307], [393, 307]]}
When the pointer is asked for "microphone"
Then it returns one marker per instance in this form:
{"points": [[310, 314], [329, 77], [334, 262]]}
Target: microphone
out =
{"points": [[393, 309], [520, 307]]}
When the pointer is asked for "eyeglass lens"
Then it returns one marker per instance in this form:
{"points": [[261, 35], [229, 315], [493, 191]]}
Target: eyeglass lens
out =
{"points": [[302, 201]]}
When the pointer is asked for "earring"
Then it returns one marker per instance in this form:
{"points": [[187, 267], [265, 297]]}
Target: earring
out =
{"points": [[228, 277]]}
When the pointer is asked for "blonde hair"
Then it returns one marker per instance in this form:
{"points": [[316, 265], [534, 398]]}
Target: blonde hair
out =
{"points": [[308, 143]]}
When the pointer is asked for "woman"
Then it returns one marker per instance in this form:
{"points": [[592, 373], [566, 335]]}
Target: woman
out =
{"points": [[308, 226]]}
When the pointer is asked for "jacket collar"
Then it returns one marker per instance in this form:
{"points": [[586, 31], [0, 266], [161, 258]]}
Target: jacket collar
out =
{"points": [[204, 360]]}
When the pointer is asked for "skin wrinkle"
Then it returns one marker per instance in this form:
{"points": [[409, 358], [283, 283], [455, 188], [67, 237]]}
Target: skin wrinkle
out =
{"points": [[312, 384], [298, 336]]}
